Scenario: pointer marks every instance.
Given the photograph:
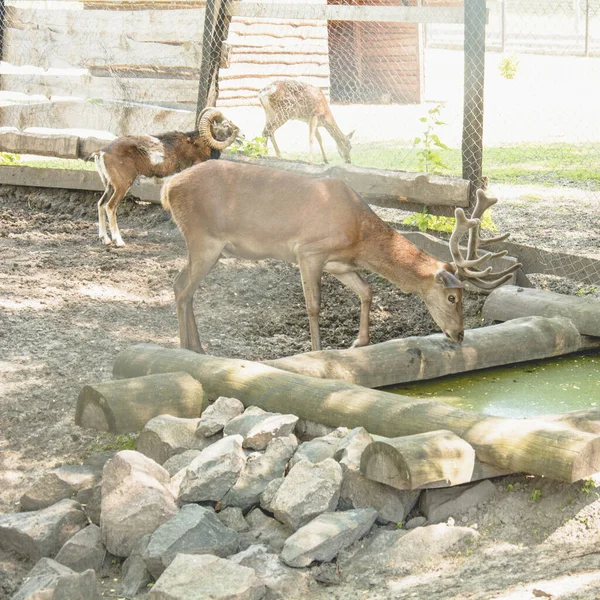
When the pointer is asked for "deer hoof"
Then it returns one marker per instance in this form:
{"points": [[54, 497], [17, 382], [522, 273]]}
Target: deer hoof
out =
{"points": [[358, 343]]}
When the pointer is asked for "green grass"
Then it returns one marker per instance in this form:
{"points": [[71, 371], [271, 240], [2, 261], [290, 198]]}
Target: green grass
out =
{"points": [[550, 164]]}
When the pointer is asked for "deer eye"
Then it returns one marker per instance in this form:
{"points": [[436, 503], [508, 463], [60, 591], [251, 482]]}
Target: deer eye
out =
{"points": [[451, 299]]}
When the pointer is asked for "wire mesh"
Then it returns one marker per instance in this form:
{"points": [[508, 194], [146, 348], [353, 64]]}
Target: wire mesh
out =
{"points": [[515, 94]]}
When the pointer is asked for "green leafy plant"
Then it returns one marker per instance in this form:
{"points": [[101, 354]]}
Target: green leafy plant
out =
{"points": [[587, 289], [536, 495], [429, 143], [425, 221], [8, 158], [508, 66], [254, 148], [589, 487]]}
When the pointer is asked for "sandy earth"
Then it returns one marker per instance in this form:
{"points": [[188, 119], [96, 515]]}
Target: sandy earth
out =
{"points": [[68, 305]]}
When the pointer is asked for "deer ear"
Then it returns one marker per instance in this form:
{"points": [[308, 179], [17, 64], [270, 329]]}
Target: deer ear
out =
{"points": [[349, 136], [447, 279]]}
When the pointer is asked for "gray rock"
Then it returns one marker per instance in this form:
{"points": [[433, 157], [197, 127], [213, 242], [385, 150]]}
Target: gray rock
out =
{"points": [[91, 500], [415, 522], [281, 581], [134, 574], [49, 580], [326, 536], [308, 491], [135, 500], [164, 436], [395, 549], [43, 532], [180, 461], [265, 530], [59, 484], [321, 448], [259, 471], [207, 577], [267, 497], [439, 504], [194, 530], [308, 430], [233, 517], [350, 449], [217, 415], [83, 551], [259, 428], [212, 474], [392, 505]]}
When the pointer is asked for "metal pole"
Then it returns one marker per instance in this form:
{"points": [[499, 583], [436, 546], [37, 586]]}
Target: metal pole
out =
{"points": [[2, 24], [472, 138], [587, 28]]}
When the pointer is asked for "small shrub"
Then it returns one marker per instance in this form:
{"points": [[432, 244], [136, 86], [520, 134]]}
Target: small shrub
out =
{"points": [[536, 495], [508, 66], [8, 158], [425, 221], [254, 148]]}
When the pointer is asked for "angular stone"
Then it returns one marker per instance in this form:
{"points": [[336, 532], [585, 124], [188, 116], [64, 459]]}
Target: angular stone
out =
{"points": [[350, 449], [394, 549], [265, 530], [43, 532], [392, 505], [267, 497], [258, 429], [321, 448], [326, 536], [135, 500], [134, 574], [308, 430], [180, 461], [49, 580], [415, 522], [83, 551], [233, 517], [212, 474], [308, 491], [164, 436], [439, 504], [259, 471], [281, 581], [91, 500], [194, 530], [207, 577], [59, 484], [217, 415]]}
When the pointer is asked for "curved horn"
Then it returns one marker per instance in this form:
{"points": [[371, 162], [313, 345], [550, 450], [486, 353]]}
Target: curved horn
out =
{"points": [[207, 117]]}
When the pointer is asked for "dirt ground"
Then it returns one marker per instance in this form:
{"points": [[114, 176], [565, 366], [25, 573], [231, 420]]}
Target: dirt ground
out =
{"points": [[68, 305]]}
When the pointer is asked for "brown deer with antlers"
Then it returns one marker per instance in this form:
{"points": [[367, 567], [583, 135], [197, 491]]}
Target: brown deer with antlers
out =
{"points": [[252, 212], [289, 99], [123, 160]]}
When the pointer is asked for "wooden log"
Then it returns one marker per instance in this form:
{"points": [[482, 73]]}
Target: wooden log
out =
{"points": [[512, 444], [433, 459], [428, 357], [126, 406], [44, 144], [587, 420], [511, 302]]}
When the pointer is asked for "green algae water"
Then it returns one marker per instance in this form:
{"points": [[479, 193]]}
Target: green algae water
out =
{"points": [[548, 386]]}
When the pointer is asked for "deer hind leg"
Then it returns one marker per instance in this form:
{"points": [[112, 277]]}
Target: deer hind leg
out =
{"points": [[102, 234], [320, 140], [312, 130], [269, 133], [311, 270], [120, 191], [362, 289], [202, 258]]}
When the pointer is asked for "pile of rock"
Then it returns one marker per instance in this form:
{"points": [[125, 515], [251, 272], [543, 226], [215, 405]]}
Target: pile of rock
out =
{"points": [[229, 505]]}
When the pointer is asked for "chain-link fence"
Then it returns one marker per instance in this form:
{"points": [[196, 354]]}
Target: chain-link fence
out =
{"points": [[504, 91]]}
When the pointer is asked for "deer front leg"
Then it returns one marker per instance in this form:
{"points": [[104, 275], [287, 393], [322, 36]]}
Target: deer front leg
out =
{"points": [[120, 191], [312, 128], [311, 269], [320, 140], [362, 289], [202, 258]]}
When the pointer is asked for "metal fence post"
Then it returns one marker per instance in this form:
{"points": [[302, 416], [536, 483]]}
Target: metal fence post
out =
{"points": [[472, 136], [2, 23], [216, 28]]}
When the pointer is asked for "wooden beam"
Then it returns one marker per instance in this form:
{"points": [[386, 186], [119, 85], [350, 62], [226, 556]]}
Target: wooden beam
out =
{"points": [[540, 448], [428, 357], [322, 12]]}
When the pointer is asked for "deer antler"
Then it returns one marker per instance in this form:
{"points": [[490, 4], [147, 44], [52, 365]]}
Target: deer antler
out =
{"points": [[467, 267]]}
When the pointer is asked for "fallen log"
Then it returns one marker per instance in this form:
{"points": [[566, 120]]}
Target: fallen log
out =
{"points": [[433, 459], [512, 302], [417, 358], [126, 406], [511, 444], [582, 420]]}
